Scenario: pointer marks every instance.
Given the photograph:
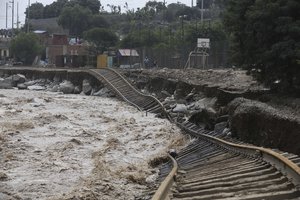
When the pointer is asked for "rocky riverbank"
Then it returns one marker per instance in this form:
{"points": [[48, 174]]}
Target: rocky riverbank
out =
{"points": [[227, 101]]}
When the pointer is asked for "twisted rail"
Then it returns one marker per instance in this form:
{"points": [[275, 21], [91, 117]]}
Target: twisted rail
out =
{"points": [[120, 86]]}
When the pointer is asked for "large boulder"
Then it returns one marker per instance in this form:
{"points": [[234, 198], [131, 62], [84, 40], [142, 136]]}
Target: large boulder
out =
{"points": [[180, 108], [205, 103], [103, 92], [6, 84], [206, 116], [36, 87], [77, 90], [13, 80], [67, 87], [264, 125], [30, 83], [86, 87], [18, 78], [22, 86]]}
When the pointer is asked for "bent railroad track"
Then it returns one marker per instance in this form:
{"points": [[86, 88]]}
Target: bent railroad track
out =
{"points": [[124, 90], [212, 168]]}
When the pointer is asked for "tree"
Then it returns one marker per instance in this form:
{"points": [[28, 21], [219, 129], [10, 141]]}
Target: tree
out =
{"points": [[54, 9], [172, 10], [156, 6], [98, 21], [101, 38], [266, 36], [235, 21], [25, 47], [36, 11], [92, 5], [76, 19]]}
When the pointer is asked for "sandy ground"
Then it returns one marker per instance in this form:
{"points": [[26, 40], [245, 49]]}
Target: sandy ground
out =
{"points": [[55, 146]]}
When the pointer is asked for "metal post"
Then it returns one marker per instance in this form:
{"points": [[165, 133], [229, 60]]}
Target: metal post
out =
{"points": [[12, 11], [6, 14]]}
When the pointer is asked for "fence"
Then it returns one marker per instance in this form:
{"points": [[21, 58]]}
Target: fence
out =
{"points": [[177, 58]]}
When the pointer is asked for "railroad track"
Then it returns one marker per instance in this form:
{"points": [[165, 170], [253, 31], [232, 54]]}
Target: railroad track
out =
{"points": [[210, 167], [214, 170], [124, 90]]}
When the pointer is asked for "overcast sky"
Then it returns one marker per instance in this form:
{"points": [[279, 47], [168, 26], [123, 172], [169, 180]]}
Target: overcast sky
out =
{"points": [[24, 3]]}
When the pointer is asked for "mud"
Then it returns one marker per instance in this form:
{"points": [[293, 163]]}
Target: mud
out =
{"points": [[56, 146]]}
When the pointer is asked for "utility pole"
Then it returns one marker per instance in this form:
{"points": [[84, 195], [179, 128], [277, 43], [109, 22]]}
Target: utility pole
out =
{"points": [[18, 15], [192, 3], [12, 12], [6, 14]]}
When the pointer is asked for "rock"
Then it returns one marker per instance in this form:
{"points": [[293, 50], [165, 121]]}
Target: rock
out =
{"points": [[104, 92], [165, 93], [56, 79], [170, 100], [3, 176], [205, 102], [86, 87], [180, 108], [66, 87], [206, 116], [191, 106], [190, 96], [15, 79], [55, 88], [21, 86], [151, 179], [6, 84], [220, 127], [30, 83], [36, 87], [226, 131], [77, 90], [223, 118], [18, 78]]}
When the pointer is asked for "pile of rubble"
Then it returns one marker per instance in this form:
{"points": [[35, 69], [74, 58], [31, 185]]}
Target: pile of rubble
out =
{"points": [[199, 109], [20, 82]]}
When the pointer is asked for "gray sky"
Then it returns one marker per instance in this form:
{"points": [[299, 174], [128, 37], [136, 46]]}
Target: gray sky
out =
{"points": [[24, 3]]}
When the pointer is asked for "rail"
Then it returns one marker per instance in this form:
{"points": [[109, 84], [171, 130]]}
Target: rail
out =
{"points": [[116, 90], [163, 190], [281, 163]]}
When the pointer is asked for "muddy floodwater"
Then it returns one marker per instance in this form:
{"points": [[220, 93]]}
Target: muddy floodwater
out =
{"points": [[56, 146]]}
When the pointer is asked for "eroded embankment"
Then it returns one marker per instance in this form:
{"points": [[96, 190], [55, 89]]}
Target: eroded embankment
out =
{"points": [[240, 112]]}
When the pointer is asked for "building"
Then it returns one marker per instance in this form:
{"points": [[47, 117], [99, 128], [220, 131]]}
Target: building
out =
{"points": [[63, 52], [4, 48], [127, 57]]}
